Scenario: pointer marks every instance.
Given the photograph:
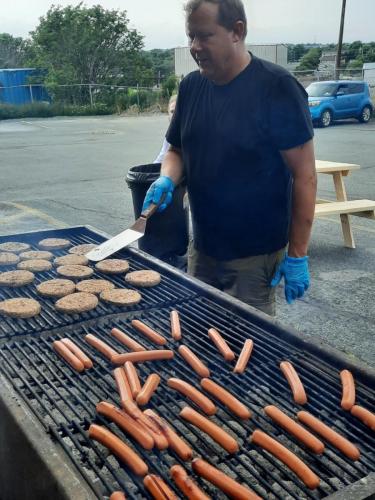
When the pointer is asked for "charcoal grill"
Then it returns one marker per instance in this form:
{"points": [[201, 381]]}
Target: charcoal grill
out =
{"points": [[41, 396]]}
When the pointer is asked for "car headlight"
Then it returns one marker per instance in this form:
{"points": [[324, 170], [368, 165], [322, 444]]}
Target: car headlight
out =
{"points": [[313, 104]]}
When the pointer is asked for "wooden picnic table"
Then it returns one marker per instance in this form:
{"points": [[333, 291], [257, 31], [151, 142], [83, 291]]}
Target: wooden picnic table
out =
{"points": [[342, 206]]}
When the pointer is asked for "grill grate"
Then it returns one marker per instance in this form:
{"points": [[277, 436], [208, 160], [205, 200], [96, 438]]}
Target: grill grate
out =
{"points": [[65, 402], [166, 293]]}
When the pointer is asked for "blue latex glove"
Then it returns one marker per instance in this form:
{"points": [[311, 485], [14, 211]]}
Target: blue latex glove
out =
{"points": [[162, 185], [295, 271]]}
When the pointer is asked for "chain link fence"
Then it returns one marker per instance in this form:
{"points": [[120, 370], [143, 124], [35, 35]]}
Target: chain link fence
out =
{"points": [[309, 76], [116, 97], [102, 98]]}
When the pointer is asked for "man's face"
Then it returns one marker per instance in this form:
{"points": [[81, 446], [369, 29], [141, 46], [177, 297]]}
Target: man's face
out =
{"points": [[211, 45]]}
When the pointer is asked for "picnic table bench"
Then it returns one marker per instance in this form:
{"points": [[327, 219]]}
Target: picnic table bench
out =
{"points": [[342, 206]]}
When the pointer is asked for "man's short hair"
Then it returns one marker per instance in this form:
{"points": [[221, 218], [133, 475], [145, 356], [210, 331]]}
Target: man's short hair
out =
{"points": [[230, 11]]}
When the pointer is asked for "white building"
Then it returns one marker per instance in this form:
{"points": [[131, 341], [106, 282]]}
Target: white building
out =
{"points": [[369, 73], [185, 64]]}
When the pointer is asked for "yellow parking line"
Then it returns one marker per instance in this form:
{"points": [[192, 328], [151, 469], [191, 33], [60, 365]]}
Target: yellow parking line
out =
{"points": [[9, 218], [36, 124], [37, 213]]}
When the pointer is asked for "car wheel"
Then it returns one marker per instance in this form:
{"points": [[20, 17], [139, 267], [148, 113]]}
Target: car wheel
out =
{"points": [[365, 115], [325, 119]]}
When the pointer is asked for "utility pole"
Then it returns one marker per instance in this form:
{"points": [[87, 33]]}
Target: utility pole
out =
{"points": [[339, 46]]}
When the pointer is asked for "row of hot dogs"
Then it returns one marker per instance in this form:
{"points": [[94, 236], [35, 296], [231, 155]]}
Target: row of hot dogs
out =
{"points": [[149, 430]]}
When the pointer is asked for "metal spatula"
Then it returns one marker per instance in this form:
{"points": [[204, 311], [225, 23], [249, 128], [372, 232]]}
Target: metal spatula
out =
{"points": [[122, 240]]}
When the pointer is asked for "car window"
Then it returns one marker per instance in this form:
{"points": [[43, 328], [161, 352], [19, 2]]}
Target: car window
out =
{"points": [[356, 88], [343, 88], [321, 89]]}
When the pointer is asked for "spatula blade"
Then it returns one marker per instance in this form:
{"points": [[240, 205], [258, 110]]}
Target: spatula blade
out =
{"points": [[114, 244]]}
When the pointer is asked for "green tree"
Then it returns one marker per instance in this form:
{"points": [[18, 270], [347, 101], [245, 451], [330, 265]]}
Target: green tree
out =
{"points": [[81, 45], [310, 61], [169, 86], [353, 50], [162, 62], [12, 51], [296, 52]]}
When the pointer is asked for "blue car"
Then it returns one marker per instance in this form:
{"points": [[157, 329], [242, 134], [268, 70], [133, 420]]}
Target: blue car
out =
{"points": [[335, 100]]}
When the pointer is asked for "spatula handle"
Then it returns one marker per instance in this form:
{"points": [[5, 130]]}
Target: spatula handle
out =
{"points": [[153, 207]]}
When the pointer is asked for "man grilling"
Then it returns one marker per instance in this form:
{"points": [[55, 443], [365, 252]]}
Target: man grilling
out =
{"points": [[241, 136]]}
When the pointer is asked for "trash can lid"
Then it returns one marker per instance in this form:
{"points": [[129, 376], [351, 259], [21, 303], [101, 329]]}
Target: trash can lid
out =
{"points": [[143, 174]]}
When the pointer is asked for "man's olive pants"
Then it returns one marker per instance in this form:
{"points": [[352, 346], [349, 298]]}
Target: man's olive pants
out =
{"points": [[247, 279]]}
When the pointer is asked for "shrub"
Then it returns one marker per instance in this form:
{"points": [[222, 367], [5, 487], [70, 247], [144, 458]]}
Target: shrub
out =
{"points": [[45, 110]]}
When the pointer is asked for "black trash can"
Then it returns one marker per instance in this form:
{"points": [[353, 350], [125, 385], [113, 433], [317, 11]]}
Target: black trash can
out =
{"points": [[167, 232]]}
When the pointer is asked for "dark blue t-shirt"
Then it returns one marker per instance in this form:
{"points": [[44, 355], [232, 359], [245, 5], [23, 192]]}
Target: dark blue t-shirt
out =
{"points": [[230, 137]]}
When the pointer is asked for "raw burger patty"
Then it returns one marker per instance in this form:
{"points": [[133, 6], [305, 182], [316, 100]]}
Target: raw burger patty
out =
{"points": [[94, 286], [54, 243], [121, 297], [16, 278], [56, 288], [13, 246], [73, 271], [143, 278], [71, 260], [20, 308], [7, 258], [113, 266], [36, 265], [36, 254], [82, 249], [77, 303]]}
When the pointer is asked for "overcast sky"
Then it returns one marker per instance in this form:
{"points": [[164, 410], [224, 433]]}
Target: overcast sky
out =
{"points": [[270, 21]]}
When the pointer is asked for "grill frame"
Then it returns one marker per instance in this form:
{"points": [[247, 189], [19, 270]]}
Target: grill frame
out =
{"points": [[231, 309]]}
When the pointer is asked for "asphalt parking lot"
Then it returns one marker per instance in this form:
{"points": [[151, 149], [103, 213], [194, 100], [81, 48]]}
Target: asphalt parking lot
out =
{"points": [[63, 172]]}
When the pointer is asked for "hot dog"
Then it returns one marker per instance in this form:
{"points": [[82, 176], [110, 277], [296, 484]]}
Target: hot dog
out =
{"points": [[138, 357], [192, 393], [310, 479], [228, 485], [244, 356], [193, 360], [146, 424], [177, 444], [148, 389], [366, 416], [133, 379], [294, 382], [226, 398], [336, 440], [220, 343], [118, 448], [69, 357], [87, 363], [295, 429], [186, 484], [122, 384], [126, 340], [117, 495], [158, 488], [126, 423], [132, 409], [217, 433], [175, 326], [155, 337], [348, 390], [100, 346]]}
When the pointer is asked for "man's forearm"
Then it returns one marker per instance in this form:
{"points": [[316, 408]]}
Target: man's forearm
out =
{"points": [[303, 208], [301, 161], [172, 165]]}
